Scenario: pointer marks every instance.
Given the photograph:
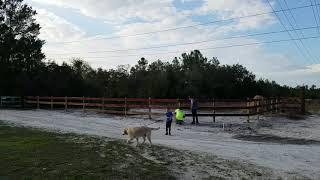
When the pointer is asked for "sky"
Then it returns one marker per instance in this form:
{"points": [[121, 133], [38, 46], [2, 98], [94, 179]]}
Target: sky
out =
{"points": [[275, 39]]}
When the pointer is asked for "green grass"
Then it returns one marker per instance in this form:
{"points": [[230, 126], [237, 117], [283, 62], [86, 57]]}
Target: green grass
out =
{"points": [[34, 154]]}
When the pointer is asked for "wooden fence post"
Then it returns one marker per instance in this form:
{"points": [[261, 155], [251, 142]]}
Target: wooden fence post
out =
{"points": [[125, 106], [51, 99], [277, 106], [274, 105], [66, 103], [303, 101], [248, 103], [0, 101], [103, 103], [266, 105], [247, 106], [83, 104], [214, 110], [23, 103], [38, 104], [259, 104], [149, 107]]}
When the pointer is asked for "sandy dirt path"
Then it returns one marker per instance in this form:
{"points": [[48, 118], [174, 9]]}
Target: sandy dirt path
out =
{"points": [[283, 158]]}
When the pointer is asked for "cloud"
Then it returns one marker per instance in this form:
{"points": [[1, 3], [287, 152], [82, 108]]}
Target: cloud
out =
{"points": [[113, 11], [315, 68], [250, 57], [184, 1], [155, 15], [235, 8], [55, 28], [118, 10], [299, 76], [307, 70]]}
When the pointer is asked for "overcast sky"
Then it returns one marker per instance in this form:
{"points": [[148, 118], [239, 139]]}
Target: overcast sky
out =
{"points": [[108, 33]]}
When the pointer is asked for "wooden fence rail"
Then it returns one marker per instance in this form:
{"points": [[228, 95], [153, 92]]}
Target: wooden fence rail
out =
{"points": [[130, 106]]}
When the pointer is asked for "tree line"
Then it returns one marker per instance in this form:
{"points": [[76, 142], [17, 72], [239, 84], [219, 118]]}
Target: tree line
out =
{"points": [[23, 70]]}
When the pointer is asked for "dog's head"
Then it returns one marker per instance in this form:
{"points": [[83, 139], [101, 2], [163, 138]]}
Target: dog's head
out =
{"points": [[125, 131]]}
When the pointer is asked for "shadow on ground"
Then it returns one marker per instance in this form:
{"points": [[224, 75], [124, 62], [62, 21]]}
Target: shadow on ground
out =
{"points": [[275, 139]]}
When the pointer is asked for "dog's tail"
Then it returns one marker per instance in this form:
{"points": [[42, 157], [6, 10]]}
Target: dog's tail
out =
{"points": [[155, 128]]}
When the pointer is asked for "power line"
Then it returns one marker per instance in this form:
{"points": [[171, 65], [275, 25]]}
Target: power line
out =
{"points": [[218, 47], [184, 27], [296, 25], [279, 19], [314, 15], [318, 10], [189, 43]]}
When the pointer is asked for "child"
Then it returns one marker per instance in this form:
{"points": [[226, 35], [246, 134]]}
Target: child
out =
{"points": [[179, 116], [169, 115]]}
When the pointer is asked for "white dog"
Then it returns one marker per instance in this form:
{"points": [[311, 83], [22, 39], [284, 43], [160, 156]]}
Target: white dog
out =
{"points": [[136, 132]]}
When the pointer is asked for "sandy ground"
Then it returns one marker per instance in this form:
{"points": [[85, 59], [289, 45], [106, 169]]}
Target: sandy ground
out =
{"points": [[294, 155]]}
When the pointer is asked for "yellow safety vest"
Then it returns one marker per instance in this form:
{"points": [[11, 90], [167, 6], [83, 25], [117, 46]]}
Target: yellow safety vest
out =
{"points": [[179, 115]]}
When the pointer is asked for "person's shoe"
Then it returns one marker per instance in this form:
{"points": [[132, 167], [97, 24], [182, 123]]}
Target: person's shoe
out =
{"points": [[192, 122], [166, 133], [197, 123]]}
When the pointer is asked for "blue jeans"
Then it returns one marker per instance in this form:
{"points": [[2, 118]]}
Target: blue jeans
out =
{"points": [[168, 126], [194, 116]]}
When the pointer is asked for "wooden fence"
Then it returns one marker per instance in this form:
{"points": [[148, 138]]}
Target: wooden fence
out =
{"points": [[313, 105], [151, 106], [10, 102]]}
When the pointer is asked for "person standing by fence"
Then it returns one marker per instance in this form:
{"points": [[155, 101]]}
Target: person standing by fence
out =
{"points": [[194, 109], [169, 115]]}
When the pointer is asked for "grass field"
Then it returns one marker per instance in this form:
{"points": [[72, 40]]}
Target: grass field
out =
{"points": [[36, 154], [32, 153]]}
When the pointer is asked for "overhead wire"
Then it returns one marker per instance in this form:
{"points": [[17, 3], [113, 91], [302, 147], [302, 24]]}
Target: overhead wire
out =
{"points": [[314, 15], [185, 27], [285, 28], [318, 8], [318, 12], [211, 48], [188, 43], [297, 26], [219, 47]]}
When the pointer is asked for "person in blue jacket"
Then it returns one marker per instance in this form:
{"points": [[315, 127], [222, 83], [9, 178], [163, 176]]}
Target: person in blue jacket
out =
{"points": [[169, 115]]}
